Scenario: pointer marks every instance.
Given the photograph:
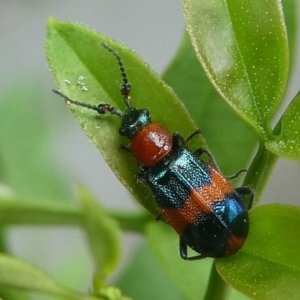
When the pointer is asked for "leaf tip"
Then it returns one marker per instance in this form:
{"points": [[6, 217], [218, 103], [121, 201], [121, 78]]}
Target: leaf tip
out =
{"points": [[51, 21]]}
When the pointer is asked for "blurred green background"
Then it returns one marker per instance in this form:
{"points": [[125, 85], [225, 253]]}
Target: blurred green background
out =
{"points": [[43, 152]]}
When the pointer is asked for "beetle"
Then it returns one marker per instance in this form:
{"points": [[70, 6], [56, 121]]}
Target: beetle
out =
{"points": [[206, 211]]}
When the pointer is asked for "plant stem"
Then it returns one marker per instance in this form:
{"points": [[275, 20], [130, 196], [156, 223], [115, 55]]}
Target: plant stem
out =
{"points": [[260, 171], [15, 211], [217, 289]]}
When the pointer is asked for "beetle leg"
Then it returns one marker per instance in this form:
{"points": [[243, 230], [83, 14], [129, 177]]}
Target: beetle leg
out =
{"points": [[246, 191], [122, 147], [237, 174], [158, 217], [177, 140], [141, 175], [192, 135], [183, 251], [212, 161]]}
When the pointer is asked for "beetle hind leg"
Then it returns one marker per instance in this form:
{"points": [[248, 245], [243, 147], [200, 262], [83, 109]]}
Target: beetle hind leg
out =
{"points": [[248, 192], [184, 251]]}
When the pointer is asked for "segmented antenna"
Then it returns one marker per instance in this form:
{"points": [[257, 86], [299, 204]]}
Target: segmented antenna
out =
{"points": [[102, 108], [125, 87]]}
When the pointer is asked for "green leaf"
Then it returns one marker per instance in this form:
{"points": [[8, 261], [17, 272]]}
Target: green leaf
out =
{"points": [[287, 143], [20, 275], [191, 278], [111, 293], [152, 275], [290, 11], [73, 51], [268, 265], [242, 46], [104, 237], [225, 132], [235, 295]]}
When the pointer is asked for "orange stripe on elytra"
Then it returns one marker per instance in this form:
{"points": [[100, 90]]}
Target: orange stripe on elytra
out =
{"points": [[215, 191], [234, 244], [179, 218], [199, 201]]}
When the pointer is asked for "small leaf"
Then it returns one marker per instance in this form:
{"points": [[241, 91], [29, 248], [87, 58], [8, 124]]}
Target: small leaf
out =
{"points": [[78, 60], [224, 131], [268, 266], [104, 237], [17, 274], [152, 276], [287, 143], [191, 278], [111, 293], [243, 48]]}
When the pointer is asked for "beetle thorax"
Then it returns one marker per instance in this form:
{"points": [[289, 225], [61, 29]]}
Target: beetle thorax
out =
{"points": [[133, 120]]}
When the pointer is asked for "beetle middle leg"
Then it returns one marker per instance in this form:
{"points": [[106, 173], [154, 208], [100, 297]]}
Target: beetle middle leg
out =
{"points": [[237, 174], [179, 139]]}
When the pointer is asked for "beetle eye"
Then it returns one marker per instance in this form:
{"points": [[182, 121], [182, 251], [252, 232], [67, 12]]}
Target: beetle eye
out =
{"points": [[145, 111]]}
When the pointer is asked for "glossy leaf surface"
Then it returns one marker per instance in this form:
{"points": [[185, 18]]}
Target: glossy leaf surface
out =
{"points": [[242, 46], [87, 72], [224, 131], [268, 265]]}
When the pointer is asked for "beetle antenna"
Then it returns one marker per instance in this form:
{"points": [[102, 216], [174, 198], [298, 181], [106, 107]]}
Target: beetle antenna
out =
{"points": [[102, 108], [125, 86]]}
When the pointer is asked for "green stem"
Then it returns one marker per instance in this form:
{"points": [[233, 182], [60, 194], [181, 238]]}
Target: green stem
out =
{"points": [[15, 211], [260, 171], [217, 289]]}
